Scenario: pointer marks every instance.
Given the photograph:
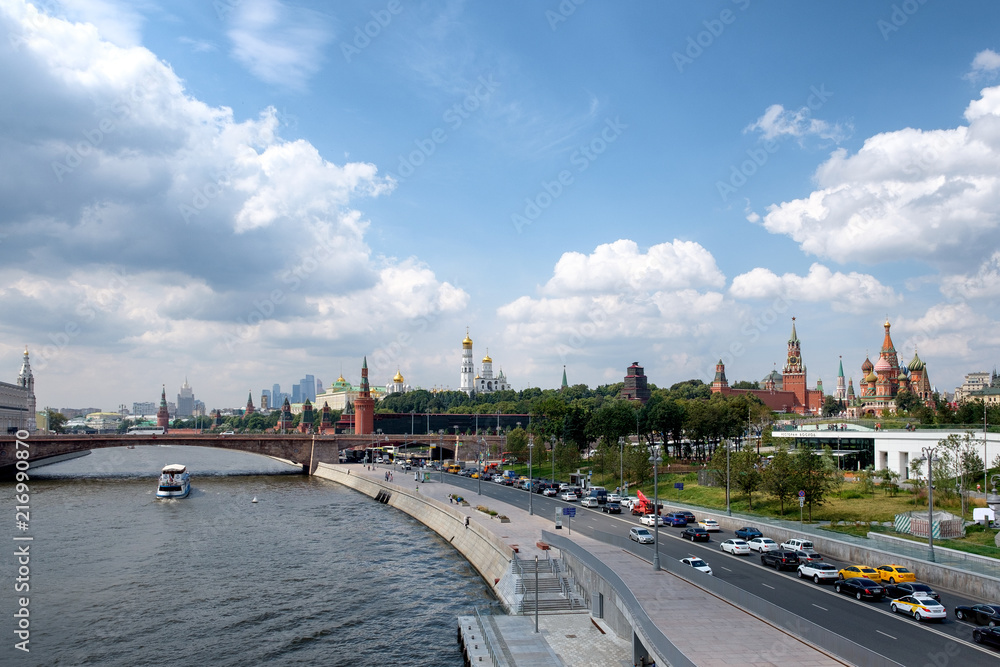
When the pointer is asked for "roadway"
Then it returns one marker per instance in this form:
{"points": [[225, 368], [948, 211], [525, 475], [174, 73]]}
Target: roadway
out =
{"points": [[870, 624]]}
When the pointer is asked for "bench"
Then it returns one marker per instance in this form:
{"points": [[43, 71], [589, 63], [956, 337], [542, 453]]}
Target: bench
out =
{"points": [[544, 546], [514, 547]]}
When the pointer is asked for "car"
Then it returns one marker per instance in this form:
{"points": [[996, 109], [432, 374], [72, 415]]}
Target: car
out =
{"points": [[980, 614], [550, 491], [808, 556], [989, 636], [762, 544], [853, 571], [919, 608], [779, 560], [895, 574], [695, 534], [711, 525], [737, 547], [590, 502], [614, 498], [227, 433], [697, 564], [568, 496], [797, 544], [688, 516], [913, 588], [675, 519], [640, 535], [860, 588], [818, 572], [628, 501], [749, 532], [611, 508], [651, 520]]}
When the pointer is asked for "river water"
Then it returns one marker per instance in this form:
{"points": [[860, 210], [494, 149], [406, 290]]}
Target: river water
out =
{"points": [[311, 574]]}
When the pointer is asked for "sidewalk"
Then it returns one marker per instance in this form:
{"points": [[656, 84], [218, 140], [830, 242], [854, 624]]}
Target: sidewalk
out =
{"points": [[682, 611]]}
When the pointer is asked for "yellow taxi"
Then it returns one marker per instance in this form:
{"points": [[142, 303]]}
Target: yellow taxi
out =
{"points": [[919, 608], [895, 574], [852, 571]]}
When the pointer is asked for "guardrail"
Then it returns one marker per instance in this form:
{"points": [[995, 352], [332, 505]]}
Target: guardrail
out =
{"points": [[819, 636], [486, 638]]}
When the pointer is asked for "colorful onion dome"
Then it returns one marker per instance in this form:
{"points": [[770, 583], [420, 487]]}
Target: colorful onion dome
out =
{"points": [[867, 366]]}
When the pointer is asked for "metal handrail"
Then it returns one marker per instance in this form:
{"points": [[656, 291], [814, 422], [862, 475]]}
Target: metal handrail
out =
{"points": [[486, 638]]}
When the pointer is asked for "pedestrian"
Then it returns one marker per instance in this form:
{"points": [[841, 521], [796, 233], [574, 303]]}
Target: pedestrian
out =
{"points": [[451, 499], [466, 522]]}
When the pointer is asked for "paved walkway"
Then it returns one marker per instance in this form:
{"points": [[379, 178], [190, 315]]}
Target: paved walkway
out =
{"points": [[688, 616]]}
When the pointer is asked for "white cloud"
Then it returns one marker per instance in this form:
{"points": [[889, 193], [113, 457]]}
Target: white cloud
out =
{"points": [[622, 266], [778, 122], [850, 292], [118, 22], [985, 64], [279, 44], [983, 284], [930, 196], [151, 223]]}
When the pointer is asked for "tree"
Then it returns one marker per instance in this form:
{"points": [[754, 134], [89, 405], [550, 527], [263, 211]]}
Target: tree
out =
{"points": [[866, 480], [916, 481], [638, 468], [907, 401], [812, 475], [57, 421], [517, 444], [959, 460], [745, 384], [831, 406], [745, 465], [890, 482], [612, 421], [779, 477], [567, 455]]}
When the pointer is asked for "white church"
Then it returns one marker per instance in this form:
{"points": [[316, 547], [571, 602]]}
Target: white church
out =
{"points": [[483, 383]]}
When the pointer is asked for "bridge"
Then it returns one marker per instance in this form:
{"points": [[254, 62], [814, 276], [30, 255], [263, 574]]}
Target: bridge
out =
{"points": [[304, 449]]}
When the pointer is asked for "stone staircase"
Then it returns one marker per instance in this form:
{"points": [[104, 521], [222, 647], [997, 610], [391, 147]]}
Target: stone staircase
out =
{"points": [[554, 590]]}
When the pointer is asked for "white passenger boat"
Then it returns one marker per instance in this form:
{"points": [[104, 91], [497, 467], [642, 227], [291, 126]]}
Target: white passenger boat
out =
{"points": [[175, 482]]}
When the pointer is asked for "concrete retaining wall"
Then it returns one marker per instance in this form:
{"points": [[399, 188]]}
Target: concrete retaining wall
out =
{"points": [[489, 555], [977, 586]]}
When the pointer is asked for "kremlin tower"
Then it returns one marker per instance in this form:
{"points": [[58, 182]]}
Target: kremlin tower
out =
{"points": [[364, 404], [163, 414]]}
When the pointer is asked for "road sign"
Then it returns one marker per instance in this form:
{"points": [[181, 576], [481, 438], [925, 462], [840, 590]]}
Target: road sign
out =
{"points": [[679, 485], [802, 494], [569, 511], [802, 501]]}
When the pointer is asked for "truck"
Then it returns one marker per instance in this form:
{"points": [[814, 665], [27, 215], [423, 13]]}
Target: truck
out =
{"points": [[644, 505]]}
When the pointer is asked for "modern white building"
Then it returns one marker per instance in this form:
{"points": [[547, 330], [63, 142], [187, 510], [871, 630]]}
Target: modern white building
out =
{"points": [[973, 382]]}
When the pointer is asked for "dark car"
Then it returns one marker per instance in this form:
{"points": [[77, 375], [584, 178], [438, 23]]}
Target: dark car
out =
{"points": [[748, 533], [989, 636], [779, 560], [899, 590], [980, 614], [688, 516], [860, 587], [611, 508], [695, 533], [675, 519]]}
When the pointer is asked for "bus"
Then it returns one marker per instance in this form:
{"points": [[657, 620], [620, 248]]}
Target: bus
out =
{"points": [[146, 430]]}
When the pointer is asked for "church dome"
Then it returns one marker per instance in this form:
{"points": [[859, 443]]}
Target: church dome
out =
{"points": [[397, 378], [882, 365], [867, 366], [871, 377], [486, 359], [917, 364], [467, 343]]}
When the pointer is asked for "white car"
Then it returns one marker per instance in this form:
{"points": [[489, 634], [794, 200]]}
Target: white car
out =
{"points": [[589, 502], [651, 520], [711, 525], [762, 544], [614, 498], [568, 496], [919, 608], [628, 501], [697, 564], [549, 491], [640, 535], [737, 547], [818, 572]]}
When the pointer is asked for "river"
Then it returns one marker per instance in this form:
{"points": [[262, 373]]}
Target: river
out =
{"points": [[311, 574]]}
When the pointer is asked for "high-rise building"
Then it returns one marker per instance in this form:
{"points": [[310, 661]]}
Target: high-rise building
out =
{"points": [[265, 400], [185, 401], [296, 393], [307, 388], [141, 409]]}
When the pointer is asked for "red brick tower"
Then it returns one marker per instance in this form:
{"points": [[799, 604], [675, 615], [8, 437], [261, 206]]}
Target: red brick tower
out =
{"points": [[250, 409], [163, 414], [307, 417], [285, 420], [364, 406], [793, 375]]}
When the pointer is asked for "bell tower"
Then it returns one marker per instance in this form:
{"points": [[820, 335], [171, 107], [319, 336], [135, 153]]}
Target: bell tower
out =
{"points": [[793, 375]]}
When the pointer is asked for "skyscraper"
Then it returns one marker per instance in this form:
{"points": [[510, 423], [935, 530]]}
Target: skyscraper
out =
{"points": [[185, 401]]}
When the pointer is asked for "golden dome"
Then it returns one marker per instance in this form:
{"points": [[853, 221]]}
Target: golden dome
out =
{"points": [[467, 343], [341, 379], [397, 378], [486, 359]]}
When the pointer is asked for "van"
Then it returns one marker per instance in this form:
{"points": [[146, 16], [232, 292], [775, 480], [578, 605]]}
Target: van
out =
{"points": [[598, 493]]}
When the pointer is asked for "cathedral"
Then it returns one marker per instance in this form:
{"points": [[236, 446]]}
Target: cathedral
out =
{"points": [[883, 380], [786, 392], [483, 383]]}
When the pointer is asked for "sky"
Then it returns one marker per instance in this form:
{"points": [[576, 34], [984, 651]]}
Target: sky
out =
{"points": [[242, 192]]}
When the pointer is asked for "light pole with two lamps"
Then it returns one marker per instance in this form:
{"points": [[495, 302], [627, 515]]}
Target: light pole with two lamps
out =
{"points": [[655, 460], [929, 455], [531, 445]]}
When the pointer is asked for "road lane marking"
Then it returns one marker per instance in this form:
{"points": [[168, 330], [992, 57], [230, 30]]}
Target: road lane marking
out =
{"points": [[769, 586], [885, 633], [818, 607], [726, 569]]}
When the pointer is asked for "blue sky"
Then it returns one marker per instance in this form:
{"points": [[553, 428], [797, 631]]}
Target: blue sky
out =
{"points": [[246, 191]]}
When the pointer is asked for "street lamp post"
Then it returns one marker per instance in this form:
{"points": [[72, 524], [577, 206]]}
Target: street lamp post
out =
{"points": [[655, 458], [729, 510], [929, 454], [986, 461], [621, 464], [531, 446], [553, 459]]}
